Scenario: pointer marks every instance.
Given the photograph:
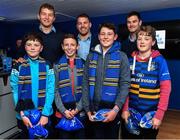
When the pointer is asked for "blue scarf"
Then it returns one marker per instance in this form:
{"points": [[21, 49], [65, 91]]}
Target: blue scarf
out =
{"points": [[64, 84], [25, 88], [111, 79]]}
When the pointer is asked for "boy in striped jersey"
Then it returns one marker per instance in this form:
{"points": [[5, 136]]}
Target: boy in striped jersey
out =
{"points": [[150, 83]]}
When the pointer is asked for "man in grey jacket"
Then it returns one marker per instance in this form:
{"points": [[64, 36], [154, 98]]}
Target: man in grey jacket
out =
{"points": [[106, 82]]}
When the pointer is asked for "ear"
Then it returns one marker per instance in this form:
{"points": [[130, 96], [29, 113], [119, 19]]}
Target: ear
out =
{"points": [[38, 17], [115, 37], [153, 43], [90, 24], [62, 46], [41, 48], [140, 22], [77, 47]]}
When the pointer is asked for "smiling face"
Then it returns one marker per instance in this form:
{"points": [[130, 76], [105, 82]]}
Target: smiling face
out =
{"points": [[144, 42], [70, 47], [133, 23], [33, 48], [106, 37], [46, 17], [83, 26]]}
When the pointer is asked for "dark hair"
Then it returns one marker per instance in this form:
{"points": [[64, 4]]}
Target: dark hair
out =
{"points": [[48, 6], [83, 15], [32, 36], [70, 36], [149, 30], [107, 25], [134, 13]]}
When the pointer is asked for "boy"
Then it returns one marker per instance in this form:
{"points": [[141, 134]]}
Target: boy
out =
{"points": [[69, 76], [150, 83], [32, 84], [106, 82]]}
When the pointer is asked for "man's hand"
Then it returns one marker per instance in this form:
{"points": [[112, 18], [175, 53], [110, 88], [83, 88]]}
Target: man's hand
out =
{"points": [[90, 116]]}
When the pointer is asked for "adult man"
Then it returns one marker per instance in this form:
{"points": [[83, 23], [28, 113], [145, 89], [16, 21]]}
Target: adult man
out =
{"points": [[51, 38], [85, 39], [133, 24]]}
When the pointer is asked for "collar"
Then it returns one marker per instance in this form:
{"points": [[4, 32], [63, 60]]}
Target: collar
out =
{"points": [[53, 29], [132, 39], [88, 38]]}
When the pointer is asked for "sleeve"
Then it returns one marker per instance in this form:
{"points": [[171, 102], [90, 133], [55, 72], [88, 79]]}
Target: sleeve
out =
{"points": [[85, 87], [58, 101], [79, 105], [50, 86], [14, 84], [124, 81], [165, 89], [163, 70]]}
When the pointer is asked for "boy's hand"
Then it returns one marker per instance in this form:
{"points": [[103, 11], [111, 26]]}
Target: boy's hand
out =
{"points": [[125, 115], [90, 116], [156, 123], [74, 111], [110, 116], [20, 60], [26, 121], [43, 121], [68, 114]]}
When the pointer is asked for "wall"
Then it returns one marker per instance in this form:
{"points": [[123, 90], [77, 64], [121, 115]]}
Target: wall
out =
{"points": [[147, 16]]}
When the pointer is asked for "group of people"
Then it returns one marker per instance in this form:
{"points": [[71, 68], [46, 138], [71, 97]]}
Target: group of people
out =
{"points": [[92, 74]]}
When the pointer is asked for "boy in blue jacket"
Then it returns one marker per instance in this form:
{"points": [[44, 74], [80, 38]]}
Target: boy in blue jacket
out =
{"points": [[32, 84]]}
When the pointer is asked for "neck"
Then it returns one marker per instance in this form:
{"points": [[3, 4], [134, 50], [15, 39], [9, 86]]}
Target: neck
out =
{"points": [[144, 55], [72, 57], [83, 37], [46, 30], [133, 36]]}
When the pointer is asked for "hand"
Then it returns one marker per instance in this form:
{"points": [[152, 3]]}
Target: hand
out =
{"points": [[68, 114], [125, 115], [20, 60], [26, 121], [74, 111], [110, 116], [43, 121], [156, 123], [90, 116]]}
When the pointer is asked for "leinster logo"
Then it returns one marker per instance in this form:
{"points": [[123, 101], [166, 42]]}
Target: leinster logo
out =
{"points": [[153, 66]]}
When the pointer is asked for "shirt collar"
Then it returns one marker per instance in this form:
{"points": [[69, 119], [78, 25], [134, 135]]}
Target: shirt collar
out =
{"points": [[53, 29], [88, 38]]}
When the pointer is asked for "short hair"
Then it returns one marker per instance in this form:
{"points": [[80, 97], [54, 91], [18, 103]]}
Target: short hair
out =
{"points": [[134, 13], [32, 36], [48, 6], [68, 35], [83, 15], [107, 25], [149, 30]]}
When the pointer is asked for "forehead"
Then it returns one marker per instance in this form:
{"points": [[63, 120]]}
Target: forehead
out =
{"points": [[132, 18], [32, 41], [69, 40], [82, 19], [46, 10], [145, 34], [105, 29]]}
